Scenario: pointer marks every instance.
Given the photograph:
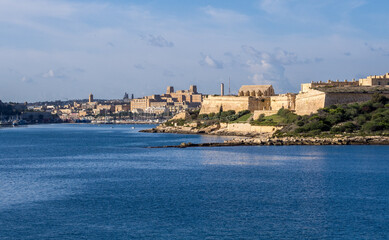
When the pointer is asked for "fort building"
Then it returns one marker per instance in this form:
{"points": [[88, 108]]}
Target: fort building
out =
{"points": [[375, 80], [261, 99], [251, 97], [256, 90]]}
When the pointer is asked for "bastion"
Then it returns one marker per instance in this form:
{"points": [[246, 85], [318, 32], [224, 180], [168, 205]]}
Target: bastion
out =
{"points": [[261, 99]]}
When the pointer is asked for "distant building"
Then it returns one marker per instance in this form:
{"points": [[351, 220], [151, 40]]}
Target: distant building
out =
{"points": [[375, 80], [172, 100], [90, 97]]}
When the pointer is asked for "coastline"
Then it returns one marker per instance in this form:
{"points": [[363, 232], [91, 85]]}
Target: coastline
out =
{"points": [[211, 130], [264, 139], [288, 141]]}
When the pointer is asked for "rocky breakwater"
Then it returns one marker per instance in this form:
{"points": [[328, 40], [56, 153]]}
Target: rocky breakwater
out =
{"points": [[357, 140], [182, 129], [222, 129]]}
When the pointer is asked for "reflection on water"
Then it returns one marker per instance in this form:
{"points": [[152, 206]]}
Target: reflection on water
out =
{"points": [[255, 156], [93, 182]]}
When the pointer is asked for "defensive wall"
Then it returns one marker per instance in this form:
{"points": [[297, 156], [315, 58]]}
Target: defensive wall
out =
{"points": [[380, 80], [308, 102], [247, 128], [341, 98], [213, 104], [260, 99]]}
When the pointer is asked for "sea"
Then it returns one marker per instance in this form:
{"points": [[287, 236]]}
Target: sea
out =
{"points": [[81, 181]]}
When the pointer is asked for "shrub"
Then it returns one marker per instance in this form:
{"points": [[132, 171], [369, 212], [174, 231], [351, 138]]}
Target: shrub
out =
{"points": [[372, 126]]}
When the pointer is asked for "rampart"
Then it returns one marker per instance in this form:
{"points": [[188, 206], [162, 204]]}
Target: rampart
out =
{"points": [[380, 80], [308, 102], [261, 99], [213, 104], [248, 128]]}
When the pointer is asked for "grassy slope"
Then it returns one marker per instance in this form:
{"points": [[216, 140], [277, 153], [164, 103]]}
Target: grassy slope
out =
{"points": [[368, 118]]}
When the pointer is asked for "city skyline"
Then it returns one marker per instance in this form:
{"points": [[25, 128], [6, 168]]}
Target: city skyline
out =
{"points": [[67, 49]]}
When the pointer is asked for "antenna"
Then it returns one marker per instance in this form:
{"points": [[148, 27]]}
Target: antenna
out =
{"points": [[229, 90]]}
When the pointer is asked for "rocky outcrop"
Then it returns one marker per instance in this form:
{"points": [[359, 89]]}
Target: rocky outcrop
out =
{"points": [[182, 115], [222, 129], [370, 140], [357, 140]]}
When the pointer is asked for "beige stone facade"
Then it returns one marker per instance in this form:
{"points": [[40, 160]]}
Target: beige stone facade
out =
{"points": [[214, 104], [251, 97], [382, 80], [305, 87], [171, 100], [287, 101], [308, 102], [261, 99], [256, 90], [248, 128]]}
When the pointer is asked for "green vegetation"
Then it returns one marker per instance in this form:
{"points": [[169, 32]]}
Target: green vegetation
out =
{"points": [[177, 122], [368, 118], [243, 118], [226, 116], [282, 118], [7, 109], [205, 120]]}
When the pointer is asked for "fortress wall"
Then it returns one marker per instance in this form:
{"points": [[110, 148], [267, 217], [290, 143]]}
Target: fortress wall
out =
{"points": [[212, 104], [247, 128], [287, 101], [309, 102], [277, 102], [341, 98], [305, 87], [266, 112]]}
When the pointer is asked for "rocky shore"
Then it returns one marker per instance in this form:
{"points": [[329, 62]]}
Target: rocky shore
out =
{"points": [[358, 140], [247, 138], [211, 130]]}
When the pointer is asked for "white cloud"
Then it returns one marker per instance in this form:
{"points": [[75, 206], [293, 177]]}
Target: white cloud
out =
{"points": [[26, 79], [48, 74], [269, 67], [211, 62], [225, 16]]}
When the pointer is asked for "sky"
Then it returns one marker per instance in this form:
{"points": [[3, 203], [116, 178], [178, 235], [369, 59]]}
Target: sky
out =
{"points": [[67, 49]]}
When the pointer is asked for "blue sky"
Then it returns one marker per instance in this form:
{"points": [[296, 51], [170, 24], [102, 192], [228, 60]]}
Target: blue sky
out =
{"points": [[58, 49]]}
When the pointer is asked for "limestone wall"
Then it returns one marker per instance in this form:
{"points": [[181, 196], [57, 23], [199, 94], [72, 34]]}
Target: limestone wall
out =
{"points": [[212, 104], [309, 102], [257, 113], [305, 87], [247, 128], [287, 101], [343, 98], [375, 80]]}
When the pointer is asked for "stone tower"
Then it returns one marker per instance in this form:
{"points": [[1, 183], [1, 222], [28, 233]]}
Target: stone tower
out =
{"points": [[222, 89], [170, 89], [90, 97], [193, 89]]}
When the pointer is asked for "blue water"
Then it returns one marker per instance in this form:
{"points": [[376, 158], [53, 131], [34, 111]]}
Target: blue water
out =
{"points": [[100, 182]]}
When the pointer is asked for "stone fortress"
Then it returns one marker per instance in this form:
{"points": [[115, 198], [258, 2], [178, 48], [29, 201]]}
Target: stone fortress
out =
{"points": [[261, 99]]}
